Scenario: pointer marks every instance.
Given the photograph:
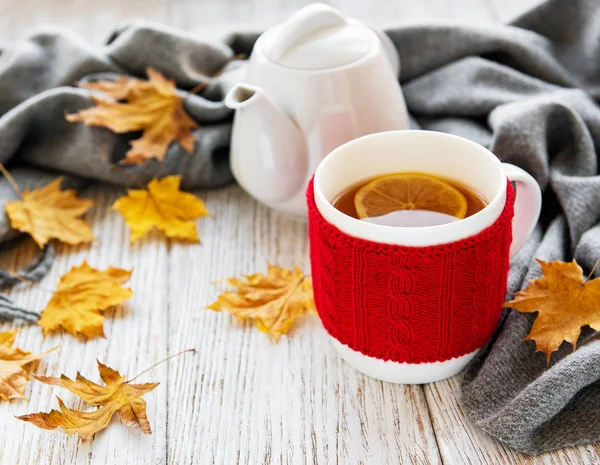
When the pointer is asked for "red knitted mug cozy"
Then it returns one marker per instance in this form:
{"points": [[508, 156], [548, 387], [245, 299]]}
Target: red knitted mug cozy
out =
{"points": [[410, 304]]}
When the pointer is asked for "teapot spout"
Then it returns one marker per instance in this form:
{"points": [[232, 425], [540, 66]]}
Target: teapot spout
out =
{"points": [[241, 95], [269, 157]]}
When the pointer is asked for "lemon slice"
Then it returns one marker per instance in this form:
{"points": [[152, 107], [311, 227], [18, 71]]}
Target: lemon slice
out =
{"points": [[409, 191]]}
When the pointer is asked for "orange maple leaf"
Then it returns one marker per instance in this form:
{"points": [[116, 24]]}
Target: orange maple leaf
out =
{"points": [[14, 364], [564, 303], [116, 396], [80, 299], [151, 106], [273, 301], [49, 213]]}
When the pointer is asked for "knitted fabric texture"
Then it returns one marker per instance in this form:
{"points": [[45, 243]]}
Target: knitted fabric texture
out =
{"points": [[32, 272], [410, 304]]}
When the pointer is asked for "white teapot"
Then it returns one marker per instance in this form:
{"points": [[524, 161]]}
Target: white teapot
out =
{"points": [[313, 83]]}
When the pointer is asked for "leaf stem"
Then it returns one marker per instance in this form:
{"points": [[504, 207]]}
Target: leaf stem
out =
{"points": [[592, 272], [131, 176], [162, 361], [11, 180], [200, 87], [51, 350]]}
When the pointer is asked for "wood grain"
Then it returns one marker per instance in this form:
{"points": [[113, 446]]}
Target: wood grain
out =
{"points": [[460, 441], [95, 21], [240, 399], [135, 339], [253, 401]]}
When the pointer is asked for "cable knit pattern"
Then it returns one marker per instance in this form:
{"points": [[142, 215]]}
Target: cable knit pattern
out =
{"points": [[410, 304]]}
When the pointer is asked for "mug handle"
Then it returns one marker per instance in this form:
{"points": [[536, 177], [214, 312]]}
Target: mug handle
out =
{"points": [[528, 203]]}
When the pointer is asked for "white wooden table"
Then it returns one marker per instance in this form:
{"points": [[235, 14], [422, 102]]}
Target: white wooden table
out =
{"points": [[240, 398]]}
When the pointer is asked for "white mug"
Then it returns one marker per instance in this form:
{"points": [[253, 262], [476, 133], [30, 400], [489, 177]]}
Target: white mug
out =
{"points": [[441, 154]]}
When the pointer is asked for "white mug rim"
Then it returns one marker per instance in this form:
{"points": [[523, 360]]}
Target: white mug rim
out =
{"points": [[468, 223]]}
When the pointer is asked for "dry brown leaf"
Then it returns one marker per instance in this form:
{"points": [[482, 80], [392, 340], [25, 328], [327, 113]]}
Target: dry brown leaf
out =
{"points": [[564, 302], [273, 300], [49, 213], [14, 364], [81, 297], [151, 106], [116, 396], [162, 205], [119, 89]]}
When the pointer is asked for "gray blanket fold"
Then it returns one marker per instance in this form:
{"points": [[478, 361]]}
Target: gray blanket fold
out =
{"points": [[528, 91]]}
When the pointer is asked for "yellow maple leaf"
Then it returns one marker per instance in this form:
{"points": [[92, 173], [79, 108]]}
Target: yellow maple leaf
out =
{"points": [[162, 205], [14, 364], [564, 302], [81, 297], [49, 213], [116, 396], [152, 106], [273, 300]]}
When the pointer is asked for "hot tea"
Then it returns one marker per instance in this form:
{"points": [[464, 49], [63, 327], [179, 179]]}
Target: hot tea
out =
{"points": [[409, 200]]}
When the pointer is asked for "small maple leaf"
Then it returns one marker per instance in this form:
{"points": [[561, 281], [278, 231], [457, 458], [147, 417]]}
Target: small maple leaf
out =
{"points": [[273, 300], [116, 396], [49, 213], [164, 206], [13, 367], [81, 297], [152, 106], [564, 303]]}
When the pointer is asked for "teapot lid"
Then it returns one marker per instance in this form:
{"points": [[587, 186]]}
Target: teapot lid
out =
{"points": [[317, 37]]}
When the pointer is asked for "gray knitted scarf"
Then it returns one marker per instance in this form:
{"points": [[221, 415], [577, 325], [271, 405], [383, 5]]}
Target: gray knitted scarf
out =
{"points": [[528, 91]]}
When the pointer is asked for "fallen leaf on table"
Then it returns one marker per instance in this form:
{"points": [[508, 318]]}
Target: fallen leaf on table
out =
{"points": [[116, 396], [162, 205], [80, 299], [564, 302], [152, 106], [14, 364], [49, 213], [273, 300]]}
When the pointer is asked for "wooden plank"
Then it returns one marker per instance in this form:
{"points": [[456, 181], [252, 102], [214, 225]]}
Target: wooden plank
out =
{"points": [[213, 19], [388, 13], [460, 441], [246, 399], [135, 339], [94, 21]]}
